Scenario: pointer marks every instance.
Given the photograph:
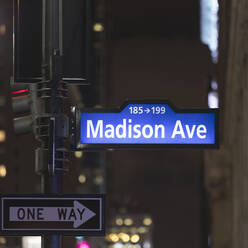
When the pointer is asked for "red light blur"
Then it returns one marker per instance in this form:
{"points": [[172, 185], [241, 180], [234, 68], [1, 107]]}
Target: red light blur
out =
{"points": [[20, 91]]}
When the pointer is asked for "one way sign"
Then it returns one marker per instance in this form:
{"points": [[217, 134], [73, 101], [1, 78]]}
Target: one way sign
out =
{"points": [[38, 214]]}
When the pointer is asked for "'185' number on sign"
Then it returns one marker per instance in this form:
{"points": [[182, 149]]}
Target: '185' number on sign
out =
{"points": [[136, 110]]}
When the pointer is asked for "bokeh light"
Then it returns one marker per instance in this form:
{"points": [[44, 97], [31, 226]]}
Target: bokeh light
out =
{"points": [[83, 244]]}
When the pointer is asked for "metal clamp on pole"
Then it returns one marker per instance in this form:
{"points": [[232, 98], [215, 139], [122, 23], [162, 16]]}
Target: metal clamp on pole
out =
{"points": [[50, 129], [57, 156]]}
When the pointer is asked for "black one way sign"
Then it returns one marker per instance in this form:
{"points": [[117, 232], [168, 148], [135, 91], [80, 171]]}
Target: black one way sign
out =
{"points": [[39, 214]]}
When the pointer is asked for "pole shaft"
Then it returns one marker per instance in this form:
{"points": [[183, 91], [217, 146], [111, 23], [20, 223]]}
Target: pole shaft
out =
{"points": [[51, 184], [51, 180]]}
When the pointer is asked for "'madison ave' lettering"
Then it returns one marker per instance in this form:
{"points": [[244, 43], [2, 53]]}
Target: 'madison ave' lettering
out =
{"points": [[127, 130], [201, 131], [124, 130]]}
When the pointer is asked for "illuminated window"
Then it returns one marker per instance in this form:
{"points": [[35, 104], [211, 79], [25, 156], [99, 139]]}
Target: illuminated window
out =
{"points": [[133, 230], [31, 242], [82, 178], [135, 238], [147, 221], [142, 229], [125, 229], [124, 237], [213, 98], [209, 26], [2, 29], [119, 221], [128, 221], [147, 244], [3, 171], [118, 245], [98, 180], [2, 135], [98, 106], [98, 27], [78, 154], [113, 237], [2, 240]]}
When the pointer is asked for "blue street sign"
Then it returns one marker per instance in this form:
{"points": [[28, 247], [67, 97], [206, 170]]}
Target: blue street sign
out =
{"points": [[146, 124]]}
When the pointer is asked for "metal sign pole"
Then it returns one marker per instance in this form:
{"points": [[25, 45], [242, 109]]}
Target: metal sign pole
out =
{"points": [[53, 165]]}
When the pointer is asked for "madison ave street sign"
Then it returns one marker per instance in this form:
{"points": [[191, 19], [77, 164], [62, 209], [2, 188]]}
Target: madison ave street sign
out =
{"points": [[38, 214], [144, 124]]}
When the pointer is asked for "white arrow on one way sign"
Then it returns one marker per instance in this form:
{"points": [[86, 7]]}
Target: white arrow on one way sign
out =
{"points": [[78, 214]]}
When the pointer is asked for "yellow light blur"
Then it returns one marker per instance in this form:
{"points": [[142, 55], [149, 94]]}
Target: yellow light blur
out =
{"points": [[2, 136], [98, 180], [122, 210], [119, 221], [128, 221], [113, 237], [142, 229], [118, 245], [147, 221], [78, 154], [133, 230], [135, 238], [124, 229], [129, 246], [98, 27], [98, 106], [82, 178], [97, 45], [3, 171], [2, 101], [2, 29], [2, 240], [107, 238], [124, 237], [114, 230]]}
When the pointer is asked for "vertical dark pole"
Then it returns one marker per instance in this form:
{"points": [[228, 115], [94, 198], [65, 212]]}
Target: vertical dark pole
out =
{"points": [[51, 180]]}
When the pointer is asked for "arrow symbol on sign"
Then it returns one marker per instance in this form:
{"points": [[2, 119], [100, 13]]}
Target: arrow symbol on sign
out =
{"points": [[78, 214], [147, 110]]}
